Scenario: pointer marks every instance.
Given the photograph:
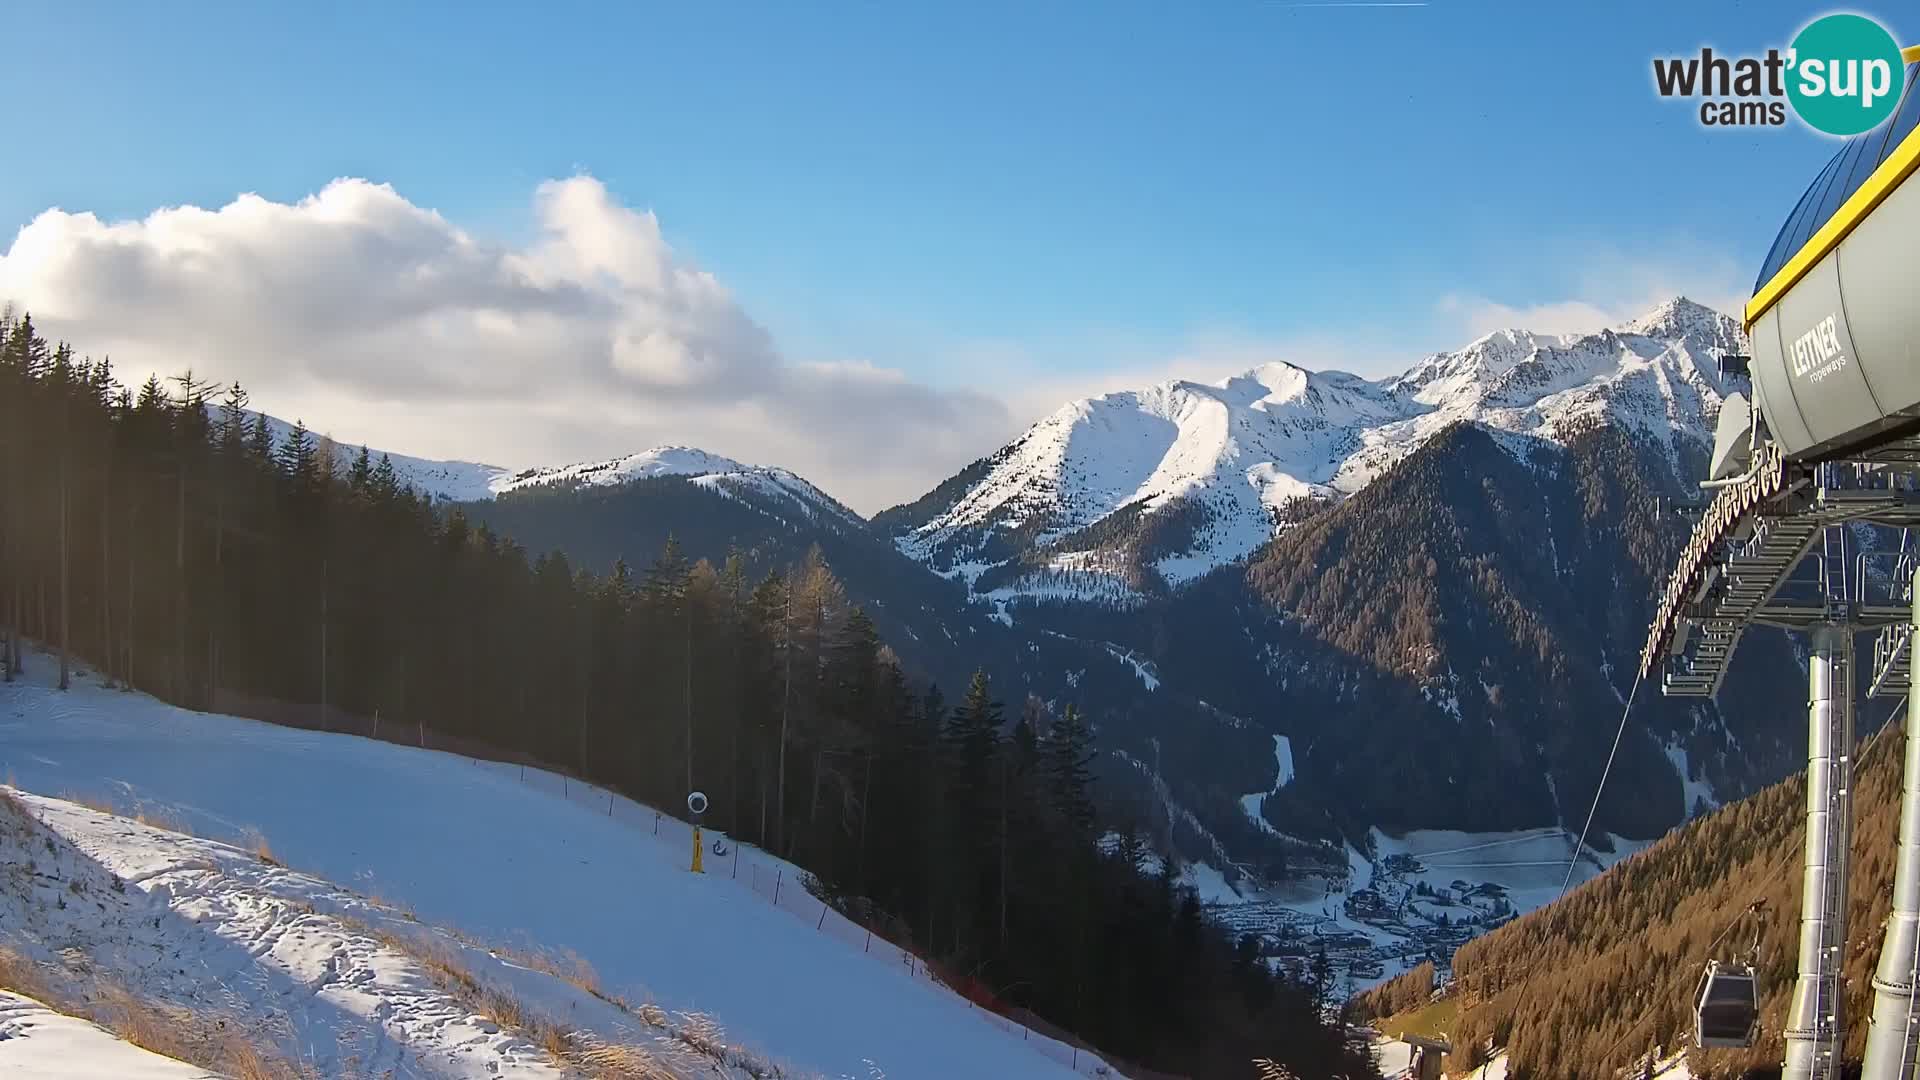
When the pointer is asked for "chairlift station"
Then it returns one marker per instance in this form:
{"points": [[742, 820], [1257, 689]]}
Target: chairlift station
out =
{"points": [[1828, 442]]}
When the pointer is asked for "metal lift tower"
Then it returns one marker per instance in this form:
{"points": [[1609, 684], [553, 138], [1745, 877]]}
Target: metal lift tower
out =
{"points": [[1829, 446]]}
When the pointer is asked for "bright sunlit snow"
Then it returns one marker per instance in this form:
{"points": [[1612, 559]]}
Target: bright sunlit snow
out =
{"points": [[471, 846]]}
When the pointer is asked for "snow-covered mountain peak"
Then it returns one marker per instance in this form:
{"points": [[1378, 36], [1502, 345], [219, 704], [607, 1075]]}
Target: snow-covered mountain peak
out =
{"points": [[1221, 465], [657, 461], [1684, 318], [714, 472]]}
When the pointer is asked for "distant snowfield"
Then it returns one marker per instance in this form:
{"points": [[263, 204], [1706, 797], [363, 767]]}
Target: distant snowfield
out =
{"points": [[1530, 865], [1392, 930], [471, 847]]}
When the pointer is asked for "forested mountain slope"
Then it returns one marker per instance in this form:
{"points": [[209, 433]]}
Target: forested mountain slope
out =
{"points": [[1450, 648], [1582, 988], [192, 554]]}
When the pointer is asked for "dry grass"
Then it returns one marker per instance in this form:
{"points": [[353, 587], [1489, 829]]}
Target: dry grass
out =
{"points": [[154, 817], [257, 843], [215, 1041], [212, 1041], [567, 966], [21, 975], [159, 818], [623, 1063], [95, 803], [570, 1049], [396, 907]]}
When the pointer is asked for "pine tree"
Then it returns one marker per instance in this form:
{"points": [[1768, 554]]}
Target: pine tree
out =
{"points": [[386, 482], [295, 458], [972, 746], [232, 427], [1069, 761], [360, 477], [260, 439]]}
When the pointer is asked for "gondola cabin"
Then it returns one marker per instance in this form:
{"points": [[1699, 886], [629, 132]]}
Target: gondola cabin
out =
{"points": [[1425, 1060], [1727, 1008]]}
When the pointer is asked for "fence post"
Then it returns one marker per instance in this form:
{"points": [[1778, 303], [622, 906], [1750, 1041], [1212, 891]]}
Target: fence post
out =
{"points": [[609, 804], [776, 886], [869, 945], [736, 860], [823, 918]]}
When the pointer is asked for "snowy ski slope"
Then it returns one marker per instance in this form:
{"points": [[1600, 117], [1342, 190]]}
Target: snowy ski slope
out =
{"points": [[539, 862]]}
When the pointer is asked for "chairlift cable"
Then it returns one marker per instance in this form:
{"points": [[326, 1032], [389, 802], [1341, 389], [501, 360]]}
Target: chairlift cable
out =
{"points": [[1573, 860], [1752, 909], [1681, 969]]}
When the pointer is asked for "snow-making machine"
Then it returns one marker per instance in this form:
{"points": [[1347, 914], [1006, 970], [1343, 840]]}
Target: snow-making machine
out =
{"points": [[1828, 444]]}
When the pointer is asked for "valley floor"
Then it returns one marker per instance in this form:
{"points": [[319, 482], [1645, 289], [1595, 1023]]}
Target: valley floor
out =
{"points": [[453, 853], [1418, 897]]}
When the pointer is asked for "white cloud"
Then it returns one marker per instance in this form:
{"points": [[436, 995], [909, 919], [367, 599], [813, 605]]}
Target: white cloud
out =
{"points": [[1612, 288], [381, 322], [1037, 380]]}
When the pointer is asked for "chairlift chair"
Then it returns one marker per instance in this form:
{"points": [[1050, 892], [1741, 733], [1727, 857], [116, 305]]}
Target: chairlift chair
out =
{"points": [[1727, 1008]]}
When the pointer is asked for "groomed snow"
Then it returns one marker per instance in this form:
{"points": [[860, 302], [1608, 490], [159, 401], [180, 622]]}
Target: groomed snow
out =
{"points": [[473, 847]]}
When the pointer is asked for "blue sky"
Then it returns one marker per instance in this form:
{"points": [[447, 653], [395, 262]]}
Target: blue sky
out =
{"points": [[993, 191]]}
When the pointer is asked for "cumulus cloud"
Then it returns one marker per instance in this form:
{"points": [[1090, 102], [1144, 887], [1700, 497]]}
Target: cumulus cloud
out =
{"points": [[381, 322], [1612, 288]]}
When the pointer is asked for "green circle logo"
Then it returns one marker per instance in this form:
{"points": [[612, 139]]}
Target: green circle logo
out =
{"points": [[1845, 74]]}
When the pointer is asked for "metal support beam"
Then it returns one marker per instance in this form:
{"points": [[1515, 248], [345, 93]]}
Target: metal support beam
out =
{"points": [[1895, 1034], [1813, 1028]]}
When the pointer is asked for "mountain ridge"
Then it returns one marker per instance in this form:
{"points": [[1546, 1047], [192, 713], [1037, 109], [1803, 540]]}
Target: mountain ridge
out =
{"points": [[1433, 579], [1227, 463]]}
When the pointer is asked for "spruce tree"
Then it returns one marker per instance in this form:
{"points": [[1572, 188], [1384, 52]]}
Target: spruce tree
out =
{"points": [[1069, 761]]}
